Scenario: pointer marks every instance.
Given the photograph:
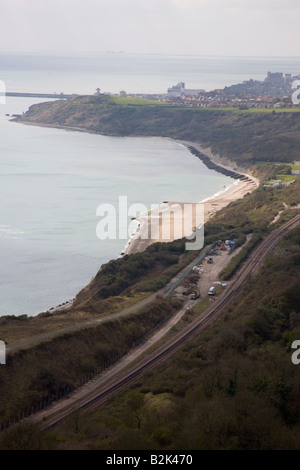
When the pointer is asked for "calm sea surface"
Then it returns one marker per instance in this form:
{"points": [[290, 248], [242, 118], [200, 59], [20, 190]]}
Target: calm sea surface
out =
{"points": [[52, 181], [134, 73]]}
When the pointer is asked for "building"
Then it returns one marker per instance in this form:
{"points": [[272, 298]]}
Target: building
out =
{"points": [[176, 90], [179, 90], [192, 92], [274, 77], [288, 78]]}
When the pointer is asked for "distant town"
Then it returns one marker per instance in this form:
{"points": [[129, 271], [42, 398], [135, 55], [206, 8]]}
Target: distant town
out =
{"points": [[275, 91]]}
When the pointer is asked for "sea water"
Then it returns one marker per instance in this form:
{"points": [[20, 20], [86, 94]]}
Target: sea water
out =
{"points": [[134, 73], [51, 184]]}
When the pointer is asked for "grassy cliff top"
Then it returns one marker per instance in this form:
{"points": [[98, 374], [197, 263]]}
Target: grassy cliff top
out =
{"points": [[243, 136]]}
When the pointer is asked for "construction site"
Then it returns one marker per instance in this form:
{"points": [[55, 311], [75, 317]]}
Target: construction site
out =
{"points": [[203, 278]]}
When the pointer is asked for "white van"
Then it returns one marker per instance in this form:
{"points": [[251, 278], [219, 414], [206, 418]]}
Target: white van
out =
{"points": [[212, 291]]}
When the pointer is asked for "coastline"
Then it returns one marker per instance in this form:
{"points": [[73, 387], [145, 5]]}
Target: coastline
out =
{"points": [[244, 183], [212, 204]]}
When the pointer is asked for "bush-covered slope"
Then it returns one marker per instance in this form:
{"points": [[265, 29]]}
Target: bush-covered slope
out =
{"points": [[234, 387]]}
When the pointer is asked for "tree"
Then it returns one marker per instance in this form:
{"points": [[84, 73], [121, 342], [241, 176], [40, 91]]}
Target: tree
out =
{"points": [[23, 436], [135, 402]]}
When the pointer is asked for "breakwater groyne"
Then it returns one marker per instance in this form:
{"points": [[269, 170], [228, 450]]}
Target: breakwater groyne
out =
{"points": [[213, 166], [60, 96]]}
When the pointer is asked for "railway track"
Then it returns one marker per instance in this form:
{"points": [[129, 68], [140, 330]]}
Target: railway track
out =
{"points": [[215, 311]]}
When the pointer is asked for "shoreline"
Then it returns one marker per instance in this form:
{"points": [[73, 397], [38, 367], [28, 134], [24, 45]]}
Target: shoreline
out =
{"points": [[244, 183]]}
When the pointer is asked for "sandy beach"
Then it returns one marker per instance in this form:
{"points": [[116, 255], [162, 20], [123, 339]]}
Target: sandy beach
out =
{"points": [[176, 219], [170, 221]]}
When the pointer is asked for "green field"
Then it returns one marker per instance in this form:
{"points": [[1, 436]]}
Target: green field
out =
{"points": [[268, 110], [251, 110], [286, 178], [131, 101]]}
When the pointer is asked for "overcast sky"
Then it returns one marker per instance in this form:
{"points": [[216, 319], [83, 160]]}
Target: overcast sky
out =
{"points": [[204, 27]]}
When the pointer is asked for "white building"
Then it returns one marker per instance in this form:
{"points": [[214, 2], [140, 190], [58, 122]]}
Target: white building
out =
{"points": [[176, 90], [180, 90]]}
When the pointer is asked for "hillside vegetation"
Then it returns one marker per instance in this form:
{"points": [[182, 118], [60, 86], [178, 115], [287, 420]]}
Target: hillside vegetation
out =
{"points": [[238, 376], [235, 386], [243, 136]]}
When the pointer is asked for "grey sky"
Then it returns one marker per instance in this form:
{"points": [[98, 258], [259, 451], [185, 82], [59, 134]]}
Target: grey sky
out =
{"points": [[205, 27]]}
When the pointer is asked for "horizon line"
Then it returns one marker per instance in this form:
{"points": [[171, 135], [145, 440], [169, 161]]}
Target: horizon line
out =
{"points": [[121, 52]]}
